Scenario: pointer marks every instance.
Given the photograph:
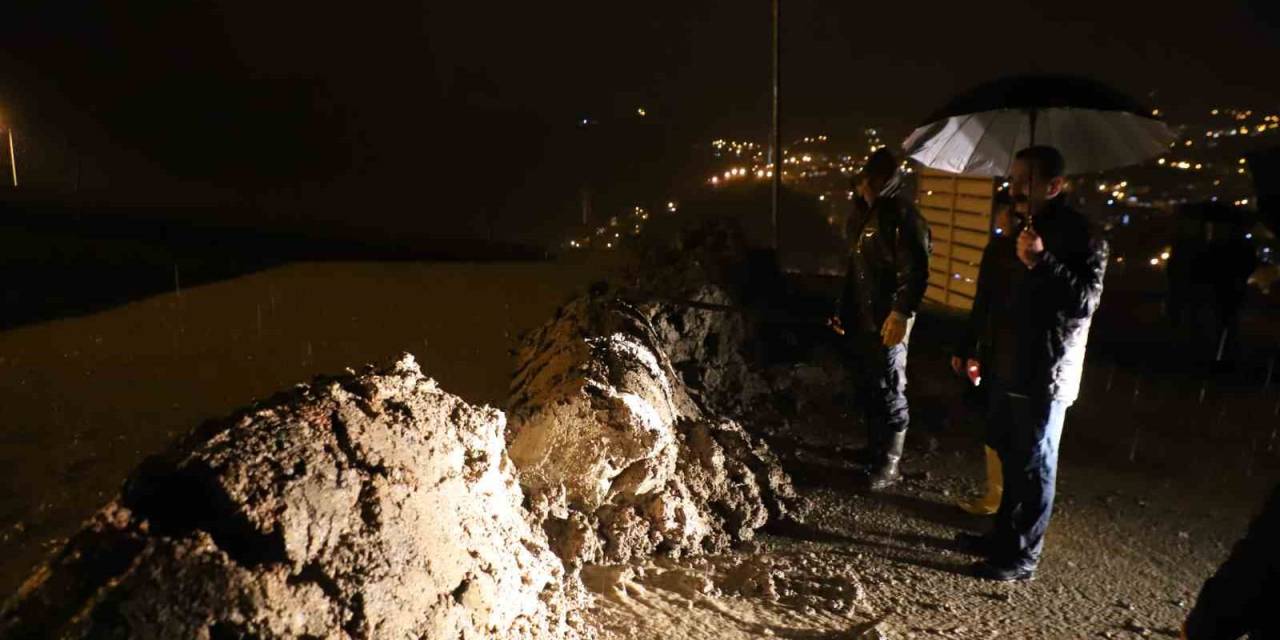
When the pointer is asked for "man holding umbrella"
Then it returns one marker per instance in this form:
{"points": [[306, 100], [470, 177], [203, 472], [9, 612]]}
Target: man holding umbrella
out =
{"points": [[1036, 297], [1032, 326], [888, 245]]}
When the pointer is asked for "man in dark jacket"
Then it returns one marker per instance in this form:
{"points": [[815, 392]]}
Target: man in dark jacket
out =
{"points": [[1241, 597], [1030, 325], [888, 247]]}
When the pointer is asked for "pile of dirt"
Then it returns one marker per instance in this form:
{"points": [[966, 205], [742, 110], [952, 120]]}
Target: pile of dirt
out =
{"points": [[710, 341], [377, 505], [367, 506], [618, 459], [749, 341], [698, 288]]}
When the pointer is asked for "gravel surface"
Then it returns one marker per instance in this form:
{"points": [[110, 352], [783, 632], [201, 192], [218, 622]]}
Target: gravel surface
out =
{"points": [[1136, 531]]}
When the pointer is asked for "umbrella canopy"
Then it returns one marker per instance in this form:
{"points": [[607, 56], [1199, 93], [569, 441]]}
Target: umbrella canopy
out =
{"points": [[1095, 127]]}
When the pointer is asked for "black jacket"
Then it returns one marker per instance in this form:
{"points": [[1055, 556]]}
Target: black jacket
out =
{"points": [[1038, 320], [888, 251], [1242, 596]]}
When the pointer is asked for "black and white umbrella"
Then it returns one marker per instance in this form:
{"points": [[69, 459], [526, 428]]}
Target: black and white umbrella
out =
{"points": [[1095, 127]]}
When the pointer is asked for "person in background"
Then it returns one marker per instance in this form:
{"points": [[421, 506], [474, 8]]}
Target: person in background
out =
{"points": [[888, 252], [1041, 295], [999, 259], [1208, 270], [1242, 595]]}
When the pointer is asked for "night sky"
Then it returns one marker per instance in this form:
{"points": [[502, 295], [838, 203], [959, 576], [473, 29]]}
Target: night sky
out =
{"points": [[451, 119]]}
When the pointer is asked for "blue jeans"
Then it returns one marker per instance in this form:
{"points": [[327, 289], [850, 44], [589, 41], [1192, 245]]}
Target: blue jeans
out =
{"points": [[881, 379], [1025, 431]]}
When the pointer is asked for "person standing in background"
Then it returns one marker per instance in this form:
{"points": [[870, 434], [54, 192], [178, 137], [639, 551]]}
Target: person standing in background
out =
{"points": [[888, 252]]}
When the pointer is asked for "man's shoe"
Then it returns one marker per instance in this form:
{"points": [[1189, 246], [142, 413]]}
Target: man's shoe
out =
{"points": [[887, 474], [976, 544], [1000, 572]]}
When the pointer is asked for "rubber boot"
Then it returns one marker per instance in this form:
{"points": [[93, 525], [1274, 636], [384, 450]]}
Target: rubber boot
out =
{"points": [[886, 474], [989, 502]]}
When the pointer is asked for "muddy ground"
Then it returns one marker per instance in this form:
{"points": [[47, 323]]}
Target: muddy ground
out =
{"points": [[1160, 473], [1125, 558]]}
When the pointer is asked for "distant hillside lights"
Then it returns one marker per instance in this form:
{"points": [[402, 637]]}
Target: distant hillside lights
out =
{"points": [[809, 164], [737, 148], [1241, 127], [1180, 164], [611, 234]]}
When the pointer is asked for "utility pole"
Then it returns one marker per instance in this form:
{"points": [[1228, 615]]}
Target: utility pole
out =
{"points": [[776, 130], [13, 162]]}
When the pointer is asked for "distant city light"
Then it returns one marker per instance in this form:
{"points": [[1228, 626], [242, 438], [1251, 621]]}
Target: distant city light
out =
{"points": [[641, 112]]}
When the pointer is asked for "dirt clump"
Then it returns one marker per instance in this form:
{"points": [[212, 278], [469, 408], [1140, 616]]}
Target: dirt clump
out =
{"points": [[619, 460], [365, 506]]}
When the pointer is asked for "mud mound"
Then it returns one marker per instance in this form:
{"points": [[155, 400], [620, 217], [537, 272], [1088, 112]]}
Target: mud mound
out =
{"points": [[617, 457], [749, 341], [370, 506], [709, 342]]}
